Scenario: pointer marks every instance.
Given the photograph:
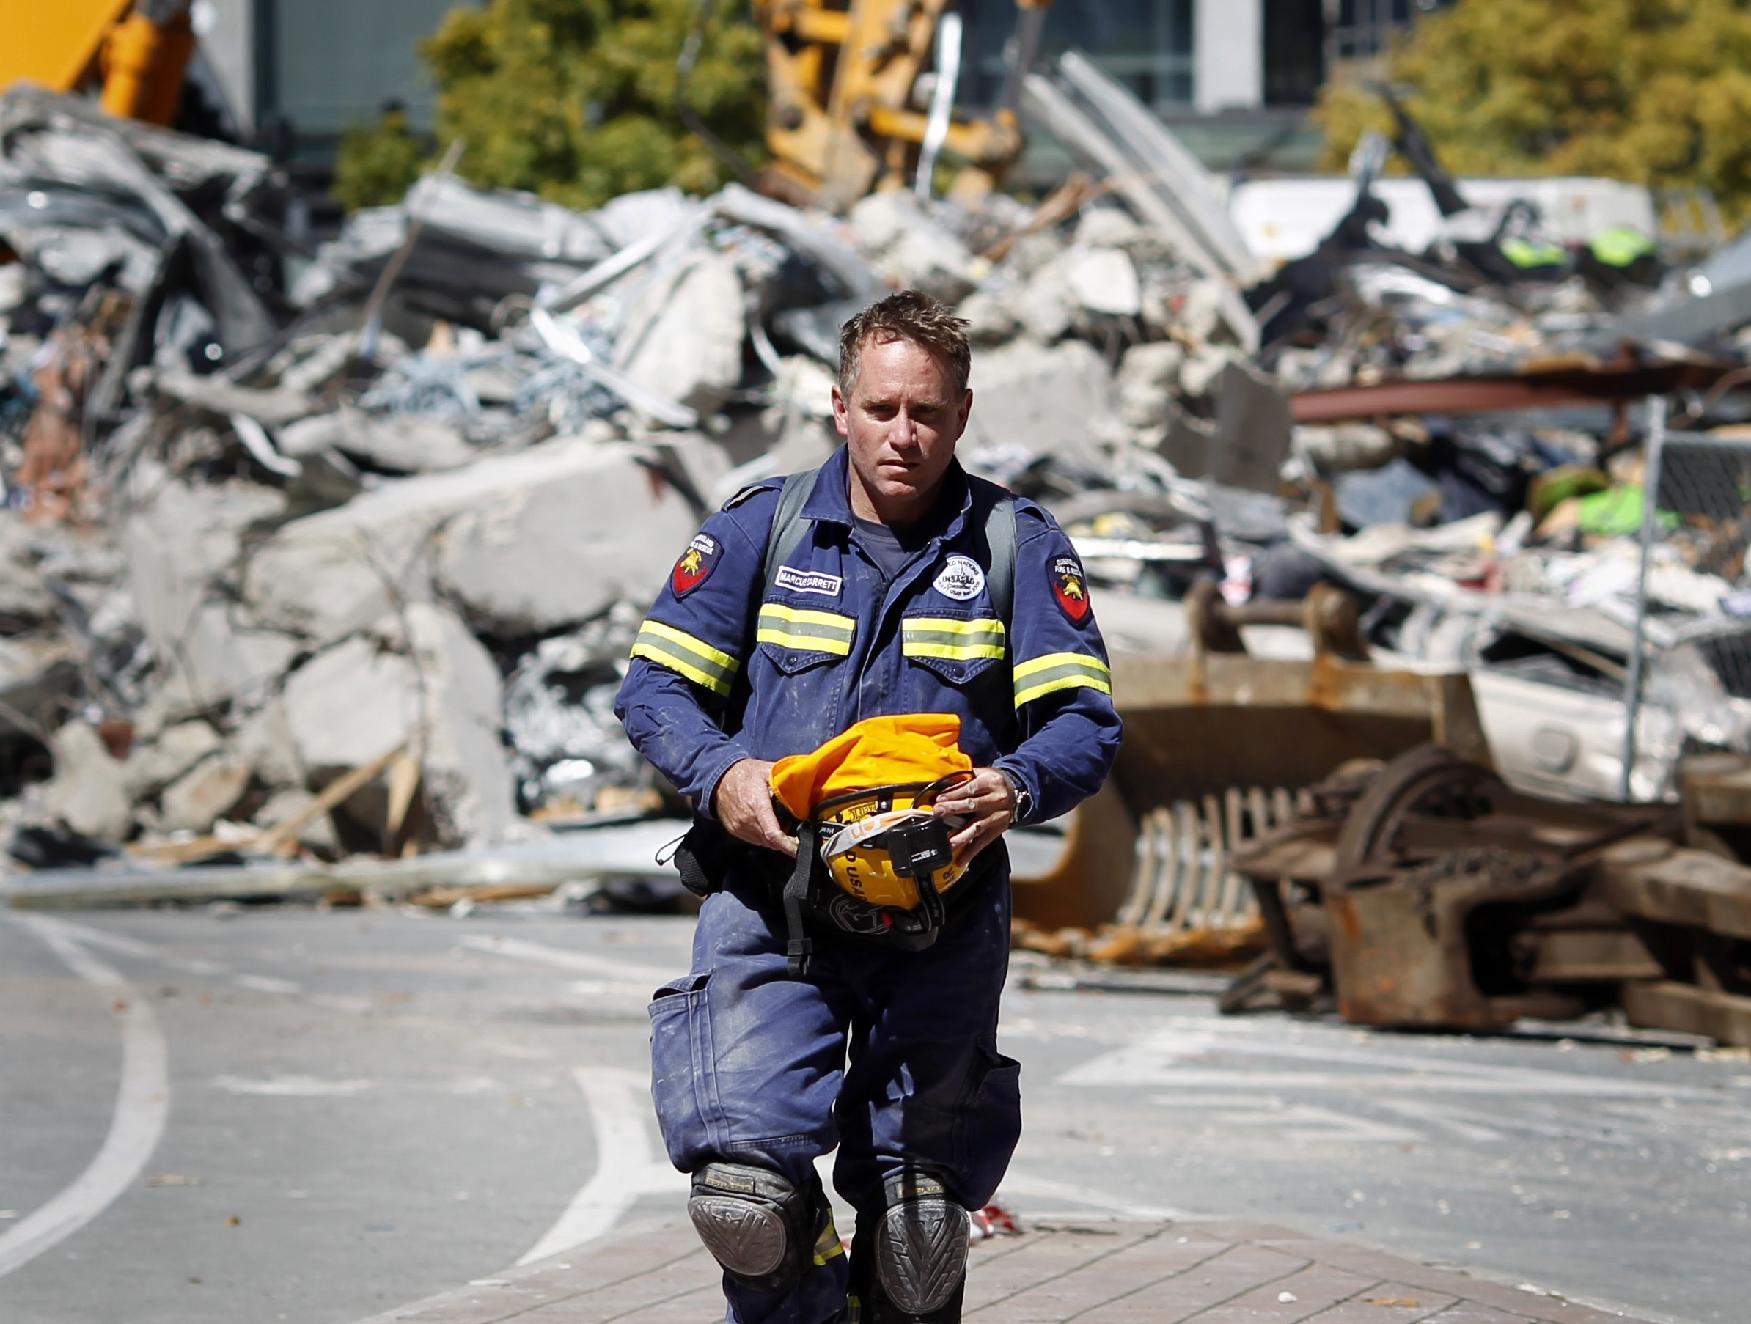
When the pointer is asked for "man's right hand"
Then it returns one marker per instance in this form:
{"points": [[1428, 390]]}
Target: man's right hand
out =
{"points": [[743, 804]]}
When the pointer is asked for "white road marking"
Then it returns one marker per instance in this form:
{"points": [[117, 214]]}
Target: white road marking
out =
{"points": [[292, 1087], [625, 1167], [1289, 1121], [142, 1104], [563, 959], [266, 984], [126, 946], [1177, 1059]]}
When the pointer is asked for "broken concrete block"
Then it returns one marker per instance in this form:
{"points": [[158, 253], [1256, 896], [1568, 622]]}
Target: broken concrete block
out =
{"points": [[25, 601], [911, 248], [219, 659], [1045, 305], [1107, 227], [558, 552], [177, 748], [682, 336], [528, 542], [179, 540], [89, 791], [317, 835], [1203, 365], [1104, 282], [1200, 316], [1253, 427], [1147, 379], [38, 677], [430, 684], [989, 320], [1183, 441], [400, 443], [216, 395], [1057, 399], [266, 739], [204, 794]]}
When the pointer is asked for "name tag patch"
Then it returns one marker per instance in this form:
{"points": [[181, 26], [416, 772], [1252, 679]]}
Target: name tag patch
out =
{"points": [[807, 581], [961, 579]]}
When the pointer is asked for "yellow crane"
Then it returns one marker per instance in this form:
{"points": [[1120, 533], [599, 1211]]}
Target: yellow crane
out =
{"points": [[135, 50]]}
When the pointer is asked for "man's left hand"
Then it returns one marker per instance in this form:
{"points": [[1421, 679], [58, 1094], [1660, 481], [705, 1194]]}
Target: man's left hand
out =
{"points": [[987, 802]]}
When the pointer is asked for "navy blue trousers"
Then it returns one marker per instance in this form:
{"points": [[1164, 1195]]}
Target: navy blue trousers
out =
{"points": [[890, 1057]]}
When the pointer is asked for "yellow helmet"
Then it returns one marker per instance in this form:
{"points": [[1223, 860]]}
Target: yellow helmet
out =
{"points": [[883, 845], [867, 794]]}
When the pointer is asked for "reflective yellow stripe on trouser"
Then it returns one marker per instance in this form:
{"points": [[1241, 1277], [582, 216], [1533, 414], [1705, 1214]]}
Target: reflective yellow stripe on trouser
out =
{"points": [[1060, 671], [813, 631], [944, 636], [680, 652]]}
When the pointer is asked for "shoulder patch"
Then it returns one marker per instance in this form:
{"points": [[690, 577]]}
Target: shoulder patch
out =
{"points": [[1069, 587], [695, 564]]}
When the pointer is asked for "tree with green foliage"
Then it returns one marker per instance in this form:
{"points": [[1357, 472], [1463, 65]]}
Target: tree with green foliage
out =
{"points": [[378, 163], [577, 99], [1656, 92]]}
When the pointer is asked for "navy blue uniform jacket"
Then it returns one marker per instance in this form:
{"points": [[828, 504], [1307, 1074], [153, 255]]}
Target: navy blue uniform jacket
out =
{"points": [[725, 668]]}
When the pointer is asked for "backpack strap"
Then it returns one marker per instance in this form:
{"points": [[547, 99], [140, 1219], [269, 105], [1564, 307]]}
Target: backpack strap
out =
{"points": [[1000, 542], [787, 524]]}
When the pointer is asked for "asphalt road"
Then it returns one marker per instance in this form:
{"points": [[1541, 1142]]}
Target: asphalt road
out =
{"points": [[286, 1115]]}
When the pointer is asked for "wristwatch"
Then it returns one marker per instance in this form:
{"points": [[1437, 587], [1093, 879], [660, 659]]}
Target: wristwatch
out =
{"points": [[1023, 801]]}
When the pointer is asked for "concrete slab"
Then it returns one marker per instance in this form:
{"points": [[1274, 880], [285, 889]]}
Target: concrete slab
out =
{"points": [[1097, 1272]]}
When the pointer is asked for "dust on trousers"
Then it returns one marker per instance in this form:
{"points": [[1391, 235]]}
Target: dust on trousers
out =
{"points": [[888, 1057]]}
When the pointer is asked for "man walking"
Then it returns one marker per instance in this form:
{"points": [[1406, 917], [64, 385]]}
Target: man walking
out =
{"points": [[886, 583]]}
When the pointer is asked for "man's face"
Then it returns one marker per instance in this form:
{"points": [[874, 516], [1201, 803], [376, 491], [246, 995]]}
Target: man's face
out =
{"points": [[900, 420]]}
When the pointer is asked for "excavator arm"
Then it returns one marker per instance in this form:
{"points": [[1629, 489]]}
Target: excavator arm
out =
{"points": [[843, 120], [138, 50]]}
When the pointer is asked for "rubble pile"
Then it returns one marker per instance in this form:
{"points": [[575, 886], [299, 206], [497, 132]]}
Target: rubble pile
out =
{"points": [[316, 550], [281, 516]]}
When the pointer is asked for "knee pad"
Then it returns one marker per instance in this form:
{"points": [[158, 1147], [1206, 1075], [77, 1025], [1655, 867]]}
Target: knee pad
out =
{"points": [[921, 1244], [757, 1225]]}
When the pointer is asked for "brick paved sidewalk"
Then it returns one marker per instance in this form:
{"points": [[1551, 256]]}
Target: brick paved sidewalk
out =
{"points": [[1093, 1272]]}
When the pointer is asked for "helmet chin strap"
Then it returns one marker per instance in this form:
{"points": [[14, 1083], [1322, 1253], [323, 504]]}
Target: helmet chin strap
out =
{"points": [[918, 849]]}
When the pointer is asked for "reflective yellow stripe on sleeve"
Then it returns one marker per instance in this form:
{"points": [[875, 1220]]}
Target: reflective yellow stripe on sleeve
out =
{"points": [[812, 631], [1060, 671], [680, 652], [944, 636]]}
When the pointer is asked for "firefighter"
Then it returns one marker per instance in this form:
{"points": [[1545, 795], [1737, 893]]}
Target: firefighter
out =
{"points": [[886, 583]]}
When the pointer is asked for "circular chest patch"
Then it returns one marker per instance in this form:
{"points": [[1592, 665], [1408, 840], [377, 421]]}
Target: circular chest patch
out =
{"points": [[961, 579]]}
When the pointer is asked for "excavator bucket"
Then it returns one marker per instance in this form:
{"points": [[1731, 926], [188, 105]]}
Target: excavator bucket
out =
{"points": [[1218, 744]]}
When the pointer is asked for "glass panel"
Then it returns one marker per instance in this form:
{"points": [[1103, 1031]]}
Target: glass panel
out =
{"points": [[1147, 44], [1294, 52]]}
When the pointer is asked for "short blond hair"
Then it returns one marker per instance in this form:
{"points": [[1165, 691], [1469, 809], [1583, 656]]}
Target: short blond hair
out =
{"points": [[908, 315]]}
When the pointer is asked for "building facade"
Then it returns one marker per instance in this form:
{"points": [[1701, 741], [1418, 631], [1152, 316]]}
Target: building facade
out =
{"points": [[322, 65], [1202, 57]]}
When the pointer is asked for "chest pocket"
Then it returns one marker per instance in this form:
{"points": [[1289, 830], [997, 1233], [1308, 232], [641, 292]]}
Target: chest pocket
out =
{"points": [[955, 646], [798, 638]]}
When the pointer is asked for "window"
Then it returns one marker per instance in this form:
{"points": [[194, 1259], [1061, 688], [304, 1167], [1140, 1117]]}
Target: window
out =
{"points": [[1363, 28], [1145, 44], [1294, 51]]}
